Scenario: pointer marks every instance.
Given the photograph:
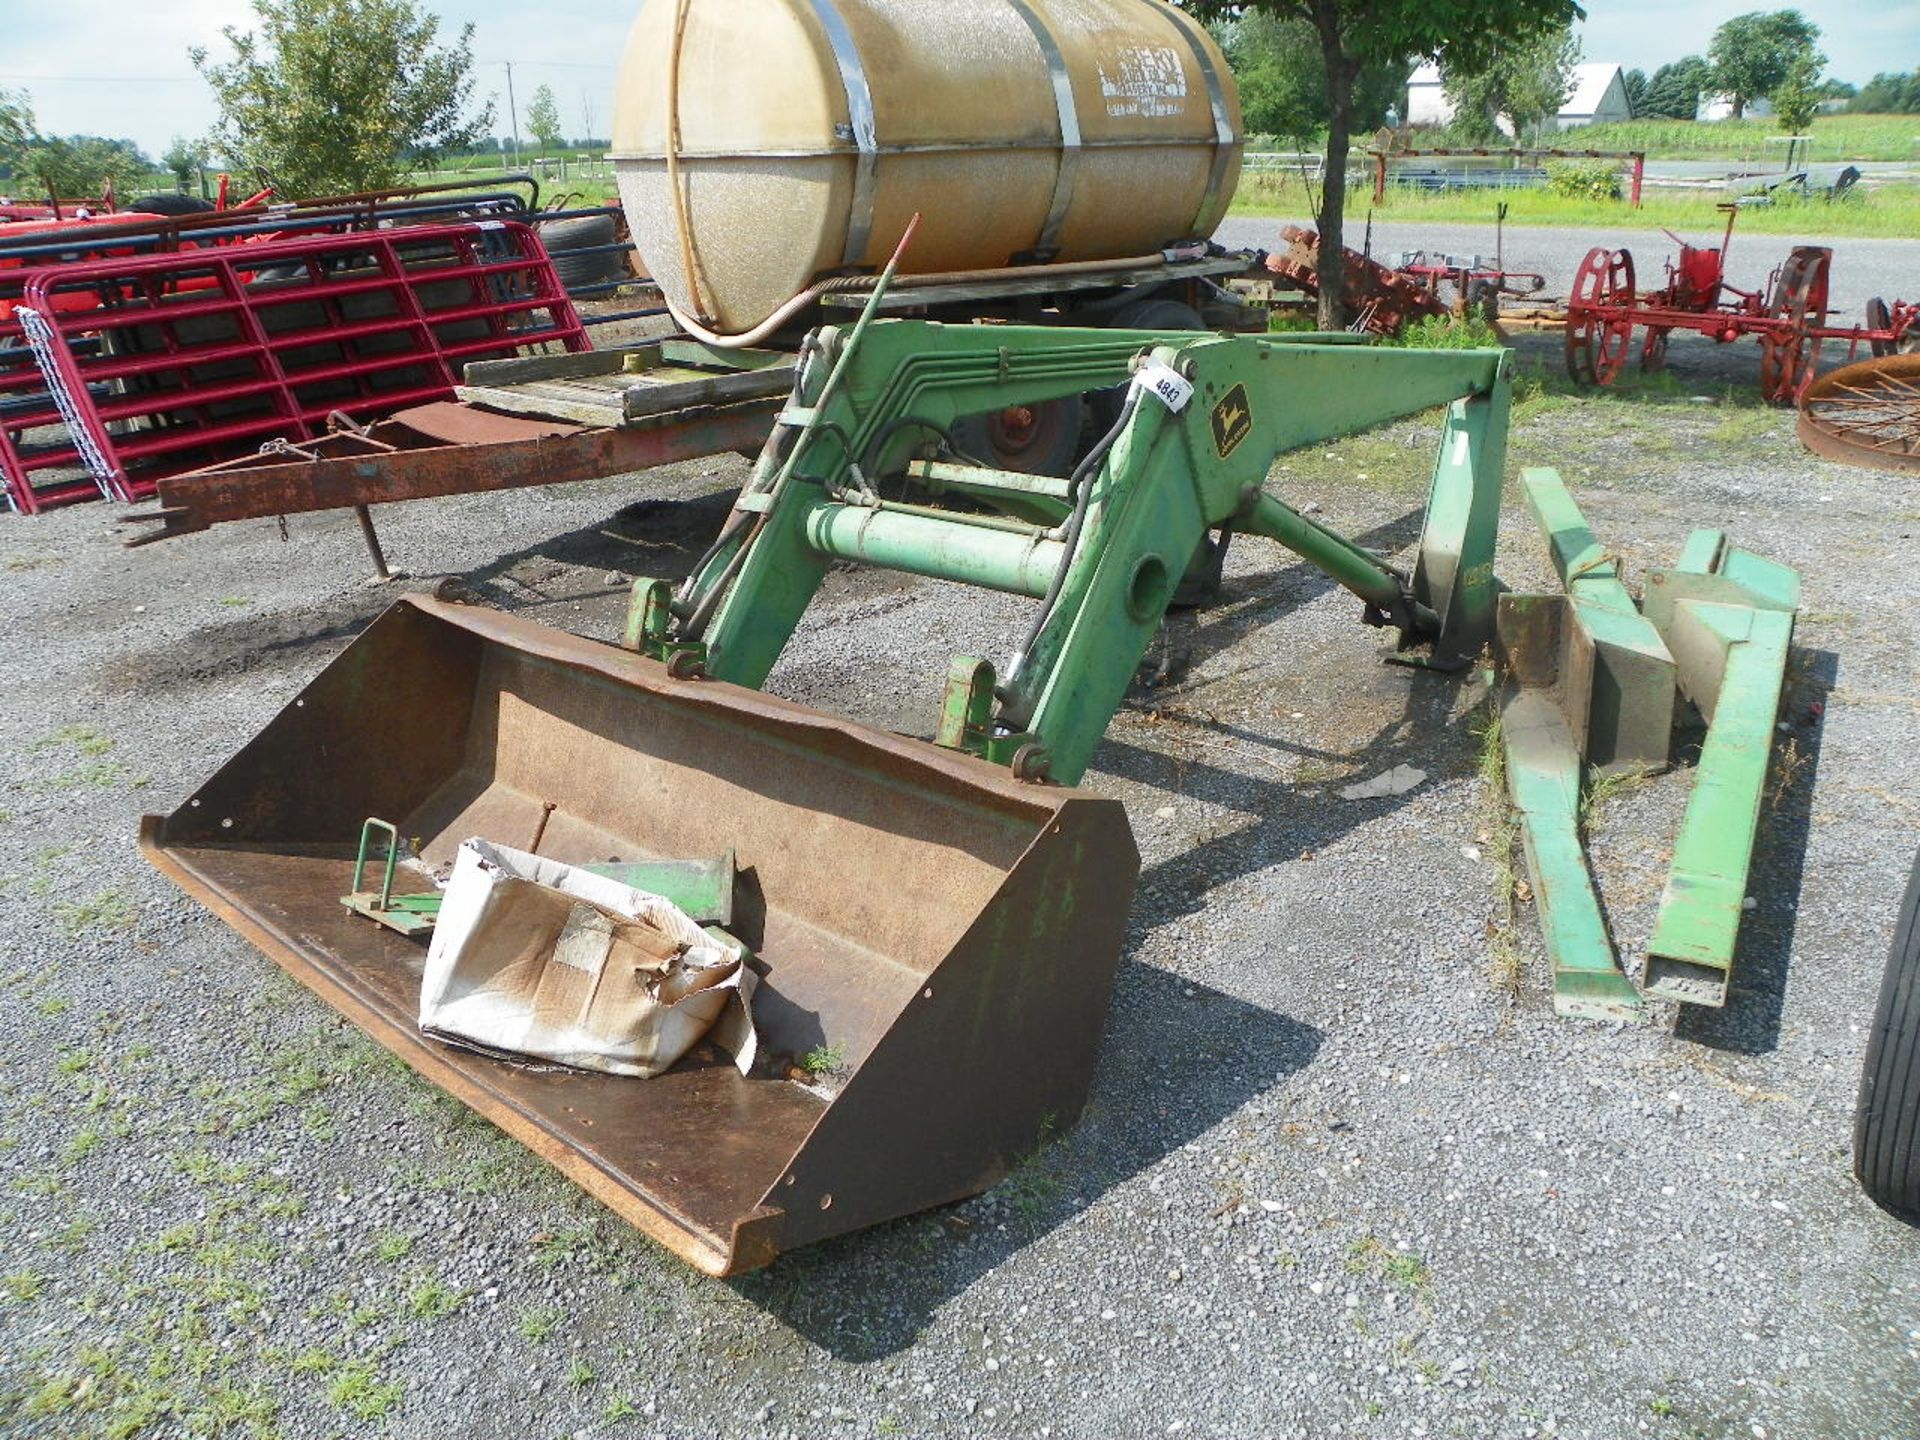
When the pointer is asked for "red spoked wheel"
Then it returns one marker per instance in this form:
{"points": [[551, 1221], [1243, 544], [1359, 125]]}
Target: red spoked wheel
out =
{"points": [[1598, 334], [1790, 352]]}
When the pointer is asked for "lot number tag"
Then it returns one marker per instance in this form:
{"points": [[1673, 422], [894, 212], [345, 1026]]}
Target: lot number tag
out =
{"points": [[1166, 385]]}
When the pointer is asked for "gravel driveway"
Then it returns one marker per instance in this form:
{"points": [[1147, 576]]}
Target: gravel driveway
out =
{"points": [[1343, 1173]]}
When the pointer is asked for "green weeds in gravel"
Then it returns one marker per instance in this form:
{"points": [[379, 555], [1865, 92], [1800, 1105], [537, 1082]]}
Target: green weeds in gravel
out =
{"points": [[1602, 790], [357, 1389], [392, 1246], [537, 1325], [82, 738], [579, 1373], [22, 1286], [620, 1407], [431, 1300], [1371, 1255], [103, 910], [1661, 1405]]}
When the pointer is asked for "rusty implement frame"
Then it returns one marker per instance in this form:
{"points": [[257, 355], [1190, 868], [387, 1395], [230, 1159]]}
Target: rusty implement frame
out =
{"points": [[440, 449], [921, 914], [1727, 615], [1590, 683]]}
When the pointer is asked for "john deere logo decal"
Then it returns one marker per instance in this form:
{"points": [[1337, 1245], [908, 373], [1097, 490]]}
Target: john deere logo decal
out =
{"points": [[1232, 421]]}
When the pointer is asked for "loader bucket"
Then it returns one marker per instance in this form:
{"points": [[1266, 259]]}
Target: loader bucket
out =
{"points": [[944, 935]]}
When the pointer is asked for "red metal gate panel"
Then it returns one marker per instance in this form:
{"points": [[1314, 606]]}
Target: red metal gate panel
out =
{"points": [[162, 363]]}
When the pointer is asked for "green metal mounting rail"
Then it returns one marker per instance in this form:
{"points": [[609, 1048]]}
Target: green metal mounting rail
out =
{"points": [[844, 478]]}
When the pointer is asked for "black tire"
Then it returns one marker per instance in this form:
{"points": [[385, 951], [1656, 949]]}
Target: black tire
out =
{"points": [[1039, 439], [1103, 407], [169, 205], [1886, 1127], [583, 232]]}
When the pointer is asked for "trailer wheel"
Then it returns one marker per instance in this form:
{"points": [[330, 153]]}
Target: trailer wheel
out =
{"points": [[1886, 1127], [1041, 439]]}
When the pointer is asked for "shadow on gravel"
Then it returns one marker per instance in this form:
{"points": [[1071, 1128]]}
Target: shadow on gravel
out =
{"points": [[1750, 1023], [237, 647], [1292, 818], [654, 537], [1179, 1058]]}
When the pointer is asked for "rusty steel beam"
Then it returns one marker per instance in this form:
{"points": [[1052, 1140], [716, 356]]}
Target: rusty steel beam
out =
{"points": [[512, 456]]}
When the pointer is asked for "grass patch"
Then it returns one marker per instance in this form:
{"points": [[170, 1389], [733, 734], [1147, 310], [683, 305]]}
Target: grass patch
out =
{"points": [[432, 1300], [83, 738], [579, 1374], [357, 1389], [393, 1246], [22, 1286], [104, 910], [1889, 210], [235, 602], [1370, 1255], [537, 1325]]}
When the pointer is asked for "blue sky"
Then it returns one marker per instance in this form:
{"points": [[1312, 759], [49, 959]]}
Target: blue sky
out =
{"points": [[117, 68]]}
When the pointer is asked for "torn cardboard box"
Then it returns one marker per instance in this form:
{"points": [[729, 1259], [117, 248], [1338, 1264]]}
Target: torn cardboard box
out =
{"points": [[535, 959]]}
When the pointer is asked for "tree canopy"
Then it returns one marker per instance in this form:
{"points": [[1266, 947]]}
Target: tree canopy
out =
{"points": [[1525, 81], [1888, 94], [1356, 34], [543, 118], [1674, 91], [1753, 53], [341, 95], [1283, 78]]}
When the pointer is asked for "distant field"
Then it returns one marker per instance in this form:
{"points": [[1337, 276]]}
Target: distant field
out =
{"points": [[1892, 210], [1835, 138]]}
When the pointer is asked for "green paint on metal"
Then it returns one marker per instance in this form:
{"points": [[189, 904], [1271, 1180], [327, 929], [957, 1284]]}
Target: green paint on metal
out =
{"points": [[1739, 654], [1543, 779], [702, 888], [859, 421], [1627, 674]]}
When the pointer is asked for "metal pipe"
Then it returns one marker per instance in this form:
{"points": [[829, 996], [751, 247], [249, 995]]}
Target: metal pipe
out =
{"points": [[845, 284], [921, 545], [1365, 575]]}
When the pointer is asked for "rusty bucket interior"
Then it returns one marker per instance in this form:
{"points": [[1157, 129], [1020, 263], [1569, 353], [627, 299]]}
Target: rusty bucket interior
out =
{"points": [[947, 934]]}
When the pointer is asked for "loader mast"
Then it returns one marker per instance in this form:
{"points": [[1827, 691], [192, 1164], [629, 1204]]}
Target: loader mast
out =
{"points": [[844, 478]]}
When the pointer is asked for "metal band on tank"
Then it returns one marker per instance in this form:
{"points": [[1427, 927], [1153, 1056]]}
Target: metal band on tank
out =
{"points": [[853, 76], [1224, 137], [1069, 126]]}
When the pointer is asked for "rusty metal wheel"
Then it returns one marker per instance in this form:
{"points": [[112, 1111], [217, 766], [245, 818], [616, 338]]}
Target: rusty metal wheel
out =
{"points": [[1880, 316], [1790, 353], [1598, 335], [1867, 414]]}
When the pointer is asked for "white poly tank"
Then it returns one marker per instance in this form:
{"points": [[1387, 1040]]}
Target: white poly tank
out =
{"points": [[810, 131]]}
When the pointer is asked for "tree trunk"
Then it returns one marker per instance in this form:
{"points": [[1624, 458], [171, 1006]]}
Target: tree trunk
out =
{"points": [[1333, 189], [1739, 106]]}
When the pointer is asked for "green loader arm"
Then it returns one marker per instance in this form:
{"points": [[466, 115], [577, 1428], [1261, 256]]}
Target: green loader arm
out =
{"points": [[1104, 551]]}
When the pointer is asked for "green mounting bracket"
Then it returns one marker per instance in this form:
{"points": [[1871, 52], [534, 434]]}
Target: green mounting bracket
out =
{"points": [[650, 627], [404, 914], [1728, 616]]}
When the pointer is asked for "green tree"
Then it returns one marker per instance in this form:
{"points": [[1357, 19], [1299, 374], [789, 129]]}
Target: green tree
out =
{"points": [[1526, 81], [1888, 94], [1674, 91], [342, 95], [1752, 53], [81, 167], [1796, 99], [1283, 80], [1635, 84], [543, 118], [16, 126], [185, 158], [1354, 34]]}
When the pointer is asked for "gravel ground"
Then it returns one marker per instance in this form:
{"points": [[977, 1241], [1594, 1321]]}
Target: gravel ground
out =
{"points": [[1343, 1173]]}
